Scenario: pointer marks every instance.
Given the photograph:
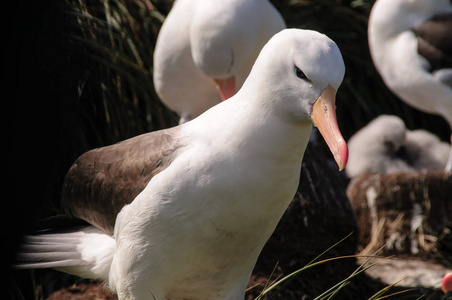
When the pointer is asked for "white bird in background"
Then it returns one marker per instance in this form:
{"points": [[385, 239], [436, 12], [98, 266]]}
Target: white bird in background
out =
{"points": [[205, 51], [206, 195], [374, 148], [386, 146], [410, 43], [425, 151]]}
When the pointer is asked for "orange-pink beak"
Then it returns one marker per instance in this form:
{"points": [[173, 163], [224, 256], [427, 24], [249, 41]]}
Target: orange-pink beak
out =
{"points": [[324, 117], [226, 87], [446, 283]]}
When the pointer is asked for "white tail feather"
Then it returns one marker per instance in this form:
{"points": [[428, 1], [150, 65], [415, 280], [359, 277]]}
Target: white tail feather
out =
{"points": [[87, 252]]}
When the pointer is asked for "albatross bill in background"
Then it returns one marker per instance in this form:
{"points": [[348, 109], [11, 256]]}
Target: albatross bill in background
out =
{"points": [[446, 283], [410, 43], [205, 50], [206, 195]]}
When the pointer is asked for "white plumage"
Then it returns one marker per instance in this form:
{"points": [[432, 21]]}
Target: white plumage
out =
{"points": [[386, 146], [425, 151], [196, 228], [205, 50], [374, 148], [411, 46]]}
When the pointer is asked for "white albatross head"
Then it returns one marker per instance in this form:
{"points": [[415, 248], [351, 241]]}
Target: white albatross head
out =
{"points": [[303, 69]]}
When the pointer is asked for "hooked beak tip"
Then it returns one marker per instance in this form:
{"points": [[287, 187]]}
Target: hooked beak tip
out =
{"points": [[341, 156]]}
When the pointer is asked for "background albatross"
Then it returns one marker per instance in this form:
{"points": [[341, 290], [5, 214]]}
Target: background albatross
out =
{"points": [[215, 187], [393, 148], [205, 51], [410, 43]]}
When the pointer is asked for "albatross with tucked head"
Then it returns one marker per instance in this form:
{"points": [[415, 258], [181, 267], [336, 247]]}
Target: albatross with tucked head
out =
{"points": [[205, 50], [411, 46], [206, 195], [374, 148]]}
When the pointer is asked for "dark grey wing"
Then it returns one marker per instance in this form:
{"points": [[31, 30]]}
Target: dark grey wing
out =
{"points": [[435, 44], [103, 180]]}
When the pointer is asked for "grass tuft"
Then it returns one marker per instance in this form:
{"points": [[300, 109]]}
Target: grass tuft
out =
{"points": [[278, 285]]}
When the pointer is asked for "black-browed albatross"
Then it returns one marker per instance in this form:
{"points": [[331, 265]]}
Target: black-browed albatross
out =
{"points": [[206, 195], [205, 50], [385, 146], [375, 147], [410, 42]]}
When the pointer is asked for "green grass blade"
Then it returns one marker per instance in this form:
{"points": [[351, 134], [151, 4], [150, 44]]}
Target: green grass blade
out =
{"points": [[332, 247], [379, 295], [268, 282], [282, 283]]}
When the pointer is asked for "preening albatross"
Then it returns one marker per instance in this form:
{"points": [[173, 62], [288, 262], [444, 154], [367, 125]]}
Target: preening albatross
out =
{"points": [[385, 145], [425, 151], [411, 46], [205, 195], [375, 147], [205, 50]]}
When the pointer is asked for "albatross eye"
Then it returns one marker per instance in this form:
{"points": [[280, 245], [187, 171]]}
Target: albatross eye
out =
{"points": [[300, 73]]}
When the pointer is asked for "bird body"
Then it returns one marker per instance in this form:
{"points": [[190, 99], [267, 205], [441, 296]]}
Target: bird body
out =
{"points": [[394, 48], [385, 145], [216, 46], [221, 240], [425, 151], [196, 228], [374, 148], [411, 47]]}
